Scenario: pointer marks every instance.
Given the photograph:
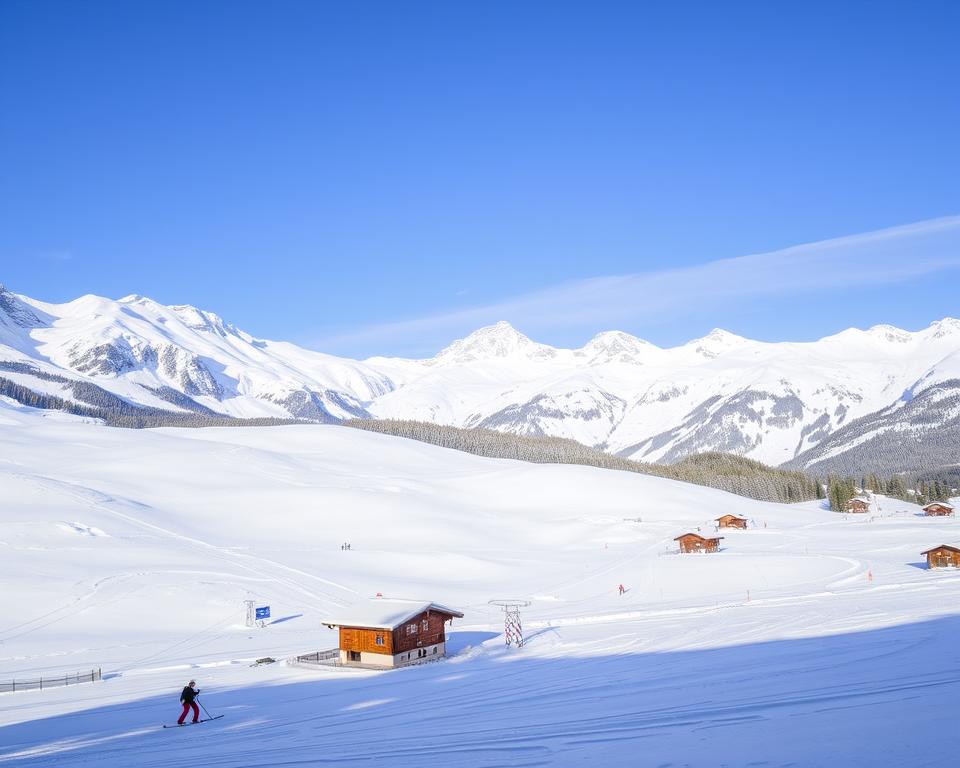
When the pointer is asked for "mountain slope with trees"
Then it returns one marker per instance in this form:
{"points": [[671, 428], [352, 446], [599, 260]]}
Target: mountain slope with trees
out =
{"points": [[744, 477]]}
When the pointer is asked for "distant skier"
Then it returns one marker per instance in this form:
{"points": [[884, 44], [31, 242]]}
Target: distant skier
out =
{"points": [[187, 699], [622, 590]]}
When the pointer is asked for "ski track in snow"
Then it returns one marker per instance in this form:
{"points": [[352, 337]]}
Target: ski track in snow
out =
{"points": [[257, 565]]}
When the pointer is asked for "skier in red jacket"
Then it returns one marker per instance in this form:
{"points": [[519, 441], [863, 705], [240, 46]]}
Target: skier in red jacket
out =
{"points": [[187, 699]]}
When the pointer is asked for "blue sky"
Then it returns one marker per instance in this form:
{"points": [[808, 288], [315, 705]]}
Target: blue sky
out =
{"points": [[382, 177]]}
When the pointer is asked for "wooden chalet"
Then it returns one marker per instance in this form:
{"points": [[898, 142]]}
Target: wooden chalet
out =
{"points": [[393, 633], [858, 504], [938, 509], [943, 556], [694, 542], [732, 521]]}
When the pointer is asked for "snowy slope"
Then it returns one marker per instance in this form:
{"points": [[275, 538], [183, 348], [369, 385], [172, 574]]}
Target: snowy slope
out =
{"points": [[133, 551], [919, 432], [772, 402]]}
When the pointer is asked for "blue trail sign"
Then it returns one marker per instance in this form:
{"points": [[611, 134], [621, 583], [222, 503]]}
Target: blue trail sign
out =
{"points": [[263, 613]]}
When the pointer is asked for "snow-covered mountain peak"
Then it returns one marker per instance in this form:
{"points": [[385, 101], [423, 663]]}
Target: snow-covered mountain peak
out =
{"points": [[87, 306], [192, 317], [716, 343], [941, 329], [202, 320], [890, 333], [493, 341], [616, 346]]}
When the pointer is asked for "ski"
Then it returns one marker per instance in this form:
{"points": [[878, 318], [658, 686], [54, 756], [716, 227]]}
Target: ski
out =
{"points": [[184, 725]]}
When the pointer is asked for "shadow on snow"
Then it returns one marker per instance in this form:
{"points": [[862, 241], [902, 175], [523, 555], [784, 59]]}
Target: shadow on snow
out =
{"points": [[881, 697]]}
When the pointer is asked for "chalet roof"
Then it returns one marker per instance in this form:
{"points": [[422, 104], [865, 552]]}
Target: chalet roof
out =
{"points": [[698, 536], [942, 546], [735, 517], [939, 504], [864, 499], [385, 613]]}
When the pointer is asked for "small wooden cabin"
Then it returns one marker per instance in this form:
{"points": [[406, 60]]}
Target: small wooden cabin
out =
{"points": [[393, 633], [938, 509], [694, 542], [858, 504], [732, 521], [943, 556]]}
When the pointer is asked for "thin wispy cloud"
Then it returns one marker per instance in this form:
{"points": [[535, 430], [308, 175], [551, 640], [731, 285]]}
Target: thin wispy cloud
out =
{"points": [[852, 263]]}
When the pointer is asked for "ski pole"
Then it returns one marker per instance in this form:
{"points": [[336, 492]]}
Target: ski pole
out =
{"points": [[203, 707]]}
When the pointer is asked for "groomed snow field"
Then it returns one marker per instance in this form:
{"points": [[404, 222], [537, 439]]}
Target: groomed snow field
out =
{"points": [[811, 639]]}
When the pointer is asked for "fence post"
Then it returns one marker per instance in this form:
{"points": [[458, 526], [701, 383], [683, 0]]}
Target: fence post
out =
{"points": [[41, 682], [14, 686]]}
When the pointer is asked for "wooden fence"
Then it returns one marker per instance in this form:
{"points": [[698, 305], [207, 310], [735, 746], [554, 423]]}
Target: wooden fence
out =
{"points": [[12, 686]]}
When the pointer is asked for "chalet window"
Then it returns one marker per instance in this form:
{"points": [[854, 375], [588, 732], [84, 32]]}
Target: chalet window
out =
{"points": [[379, 639], [411, 629], [424, 625]]}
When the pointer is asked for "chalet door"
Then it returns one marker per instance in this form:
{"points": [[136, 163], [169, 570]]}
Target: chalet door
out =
{"points": [[354, 655]]}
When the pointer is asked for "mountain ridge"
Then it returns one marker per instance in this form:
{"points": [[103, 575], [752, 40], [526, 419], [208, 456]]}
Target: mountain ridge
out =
{"points": [[771, 401]]}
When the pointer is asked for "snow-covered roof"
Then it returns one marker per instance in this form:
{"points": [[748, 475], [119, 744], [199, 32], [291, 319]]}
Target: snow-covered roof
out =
{"points": [[939, 504], [385, 613], [941, 546]]}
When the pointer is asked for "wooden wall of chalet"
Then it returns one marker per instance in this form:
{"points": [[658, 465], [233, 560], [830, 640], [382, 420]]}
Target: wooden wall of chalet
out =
{"points": [[693, 543], [943, 558], [430, 629], [937, 510], [732, 521], [857, 505], [365, 640]]}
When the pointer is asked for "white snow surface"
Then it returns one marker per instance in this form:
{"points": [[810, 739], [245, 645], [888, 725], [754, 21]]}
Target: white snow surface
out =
{"points": [[812, 639], [766, 401]]}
